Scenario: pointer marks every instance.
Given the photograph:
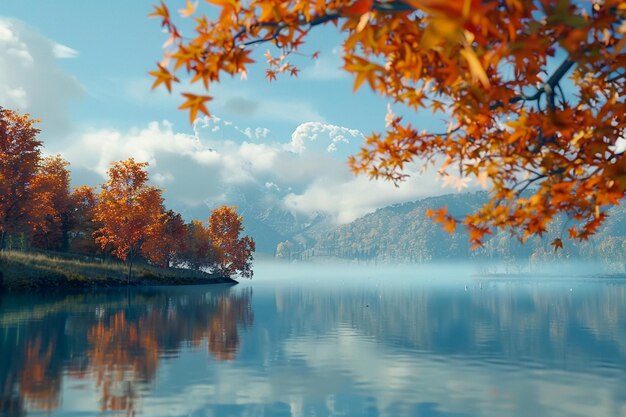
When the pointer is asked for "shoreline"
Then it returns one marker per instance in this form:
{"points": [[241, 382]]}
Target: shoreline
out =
{"points": [[26, 271], [501, 276]]}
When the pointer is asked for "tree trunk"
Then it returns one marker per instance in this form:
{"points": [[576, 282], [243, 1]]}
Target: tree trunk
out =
{"points": [[130, 272], [130, 266], [2, 240]]}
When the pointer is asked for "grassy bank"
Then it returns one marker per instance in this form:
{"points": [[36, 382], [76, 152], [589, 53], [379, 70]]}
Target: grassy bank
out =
{"points": [[43, 271]]}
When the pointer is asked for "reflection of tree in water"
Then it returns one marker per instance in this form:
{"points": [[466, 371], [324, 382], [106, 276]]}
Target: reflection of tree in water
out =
{"points": [[117, 345], [39, 384], [223, 337], [120, 352]]}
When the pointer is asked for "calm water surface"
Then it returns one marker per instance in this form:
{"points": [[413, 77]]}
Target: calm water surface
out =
{"points": [[321, 342]]}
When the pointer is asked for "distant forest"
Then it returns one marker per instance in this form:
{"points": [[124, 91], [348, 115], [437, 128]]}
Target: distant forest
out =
{"points": [[403, 233]]}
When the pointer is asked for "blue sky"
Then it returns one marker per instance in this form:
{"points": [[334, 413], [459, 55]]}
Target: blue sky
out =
{"points": [[82, 68]]}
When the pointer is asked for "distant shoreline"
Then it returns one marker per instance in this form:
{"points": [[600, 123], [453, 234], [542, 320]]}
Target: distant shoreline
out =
{"points": [[529, 275], [24, 271]]}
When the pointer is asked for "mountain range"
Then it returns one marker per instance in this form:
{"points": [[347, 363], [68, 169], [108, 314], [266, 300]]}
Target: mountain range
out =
{"points": [[403, 233]]}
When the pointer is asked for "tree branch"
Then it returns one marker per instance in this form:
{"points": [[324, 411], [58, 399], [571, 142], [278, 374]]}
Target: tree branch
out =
{"points": [[379, 6], [547, 88]]}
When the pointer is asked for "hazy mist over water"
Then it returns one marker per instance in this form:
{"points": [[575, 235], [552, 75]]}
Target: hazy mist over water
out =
{"points": [[323, 339], [307, 273]]}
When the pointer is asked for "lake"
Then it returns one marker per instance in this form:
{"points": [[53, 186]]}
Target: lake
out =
{"points": [[321, 341]]}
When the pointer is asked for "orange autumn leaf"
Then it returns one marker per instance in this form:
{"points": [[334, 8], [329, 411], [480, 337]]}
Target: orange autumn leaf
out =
{"points": [[475, 66], [195, 104], [190, 9], [572, 232], [163, 76], [449, 225], [357, 8], [161, 11], [557, 243]]}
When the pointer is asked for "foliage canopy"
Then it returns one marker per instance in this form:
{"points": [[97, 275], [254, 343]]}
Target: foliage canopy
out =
{"points": [[543, 138]]}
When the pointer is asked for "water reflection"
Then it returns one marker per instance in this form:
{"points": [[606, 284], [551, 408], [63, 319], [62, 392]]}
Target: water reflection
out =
{"points": [[400, 349], [115, 340]]}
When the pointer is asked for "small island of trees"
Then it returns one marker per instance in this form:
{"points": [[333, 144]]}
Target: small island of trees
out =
{"points": [[42, 215]]}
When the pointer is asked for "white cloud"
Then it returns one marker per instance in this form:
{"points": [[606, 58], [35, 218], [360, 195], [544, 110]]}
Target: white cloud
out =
{"points": [[5, 34], [271, 185], [14, 97], [441, 385], [31, 80], [350, 197], [307, 134], [62, 51], [261, 132], [197, 169]]}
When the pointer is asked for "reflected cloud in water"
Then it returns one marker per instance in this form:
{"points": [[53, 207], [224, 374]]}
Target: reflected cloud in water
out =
{"points": [[407, 348]]}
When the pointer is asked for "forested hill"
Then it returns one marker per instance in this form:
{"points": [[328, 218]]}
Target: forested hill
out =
{"points": [[403, 233]]}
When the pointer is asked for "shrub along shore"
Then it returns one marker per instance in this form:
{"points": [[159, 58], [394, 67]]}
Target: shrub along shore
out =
{"points": [[49, 271]]}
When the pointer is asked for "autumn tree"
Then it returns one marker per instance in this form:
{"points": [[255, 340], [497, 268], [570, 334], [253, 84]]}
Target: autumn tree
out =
{"points": [[165, 239], [19, 158], [533, 92], [51, 209], [127, 208], [234, 253], [197, 250], [84, 226]]}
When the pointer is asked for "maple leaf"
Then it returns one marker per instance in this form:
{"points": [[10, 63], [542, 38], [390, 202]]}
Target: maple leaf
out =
{"points": [[358, 8], [557, 243], [163, 76], [449, 225], [477, 70], [437, 105], [189, 9], [160, 11], [573, 232], [195, 103]]}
